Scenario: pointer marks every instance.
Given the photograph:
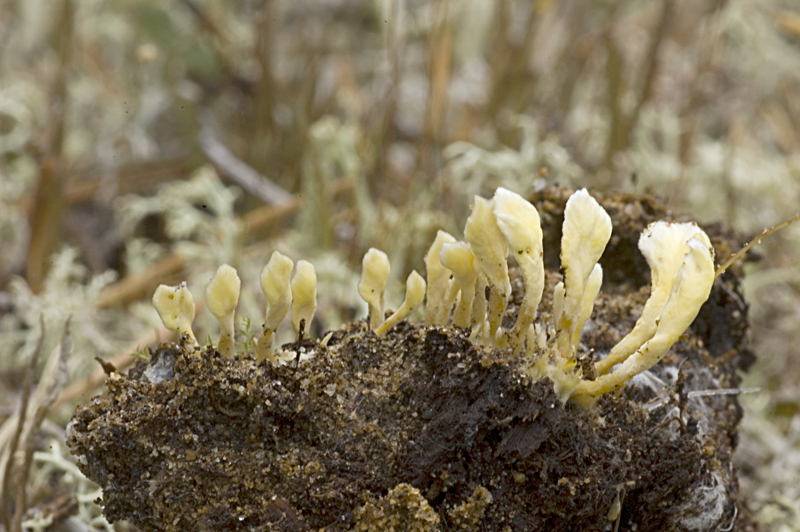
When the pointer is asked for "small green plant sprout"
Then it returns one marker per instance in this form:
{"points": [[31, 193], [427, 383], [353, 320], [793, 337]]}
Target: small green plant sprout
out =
{"points": [[175, 307], [372, 286], [304, 298], [275, 284], [141, 352], [248, 334], [222, 296], [436, 311], [415, 292]]}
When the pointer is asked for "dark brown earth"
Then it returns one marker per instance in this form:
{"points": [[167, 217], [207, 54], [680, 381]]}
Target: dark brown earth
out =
{"points": [[422, 431]]}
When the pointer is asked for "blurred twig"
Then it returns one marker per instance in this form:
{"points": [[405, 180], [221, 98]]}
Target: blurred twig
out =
{"points": [[14, 443], [45, 217], [82, 187], [739, 254], [54, 388], [622, 124], [233, 167]]}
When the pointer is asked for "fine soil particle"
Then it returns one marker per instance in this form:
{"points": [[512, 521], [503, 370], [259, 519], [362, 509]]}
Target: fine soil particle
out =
{"points": [[423, 431]]}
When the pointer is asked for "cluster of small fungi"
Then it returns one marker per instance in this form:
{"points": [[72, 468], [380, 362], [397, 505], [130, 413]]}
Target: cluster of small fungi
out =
{"points": [[468, 284], [473, 419]]}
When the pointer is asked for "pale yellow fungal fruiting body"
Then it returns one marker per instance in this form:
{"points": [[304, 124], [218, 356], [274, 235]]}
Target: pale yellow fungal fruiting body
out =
{"points": [[438, 277], [691, 289], [276, 284], [585, 233], [664, 245], [458, 259], [589, 296], [415, 292], [304, 296], [558, 302], [372, 286], [479, 306], [490, 249], [175, 307], [222, 296], [519, 222]]}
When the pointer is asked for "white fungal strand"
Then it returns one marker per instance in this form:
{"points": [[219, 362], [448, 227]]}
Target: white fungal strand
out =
{"points": [[585, 233], [519, 222], [458, 259]]}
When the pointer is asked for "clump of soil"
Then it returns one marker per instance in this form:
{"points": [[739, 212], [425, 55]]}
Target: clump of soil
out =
{"points": [[423, 431]]}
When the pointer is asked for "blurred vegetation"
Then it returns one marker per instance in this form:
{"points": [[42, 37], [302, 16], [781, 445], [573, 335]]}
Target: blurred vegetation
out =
{"points": [[146, 141]]}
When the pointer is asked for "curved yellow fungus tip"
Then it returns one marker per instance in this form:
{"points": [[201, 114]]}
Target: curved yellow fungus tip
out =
{"points": [[691, 289], [222, 296], [371, 287], [415, 292], [664, 245], [175, 307]]}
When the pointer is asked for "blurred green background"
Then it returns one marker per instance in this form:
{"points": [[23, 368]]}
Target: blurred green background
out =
{"points": [[146, 142]]}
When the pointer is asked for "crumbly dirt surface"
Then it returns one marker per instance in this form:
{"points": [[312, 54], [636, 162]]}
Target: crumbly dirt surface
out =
{"points": [[423, 431]]}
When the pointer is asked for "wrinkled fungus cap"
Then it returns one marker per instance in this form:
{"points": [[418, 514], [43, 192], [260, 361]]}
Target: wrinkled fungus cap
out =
{"points": [[275, 283], [222, 293], [374, 277], [175, 307]]}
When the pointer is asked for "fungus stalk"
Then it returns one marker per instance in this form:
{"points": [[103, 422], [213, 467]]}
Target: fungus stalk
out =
{"points": [[372, 286], [175, 307], [436, 312], [691, 289], [490, 249], [304, 296], [275, 282], [664, 246], [458, 258], [585, 233], [519, 222], [415, 292], [222, 296]]}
